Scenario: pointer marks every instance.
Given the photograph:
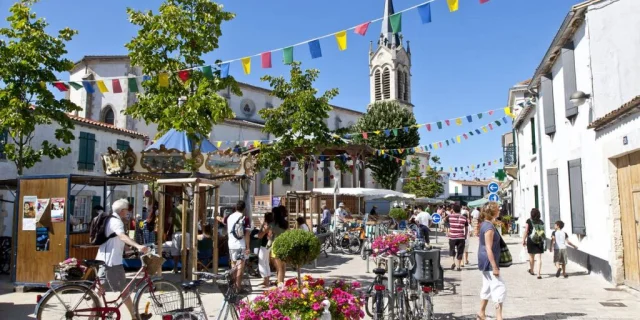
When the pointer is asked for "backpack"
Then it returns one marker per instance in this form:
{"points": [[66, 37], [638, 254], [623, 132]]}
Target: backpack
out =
{"points": [[537, 235], [238, 228], [96, 230]]}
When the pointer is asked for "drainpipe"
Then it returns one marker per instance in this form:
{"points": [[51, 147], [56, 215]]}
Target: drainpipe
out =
{"points": [[541, 185]]}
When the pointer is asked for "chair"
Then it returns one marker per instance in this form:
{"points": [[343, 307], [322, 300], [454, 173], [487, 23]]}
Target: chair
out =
{"points": [[205, 254]]}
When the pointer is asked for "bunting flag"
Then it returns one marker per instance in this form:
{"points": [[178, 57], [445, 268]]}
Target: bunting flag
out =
{"points": [[490, 112], [490, 126], [470, 119], [183, 75], [246, 65], [287, 55], [206, 70], [115, 86], [439, 125], [61, 86], [361, 29], [88, 86], [479, 115], [459, 121], [425, 13], [341, 39], [458, 139], [484, 129], [133, 84], [507, 111], [163, 80], [101, 87], [365, 136], [314, 49], [77, 86], [453, 5], [447, 122], [483, 1], [265, 57], [428, 127], [218, 144], [396, 22], [497, 123], [504, 119]]}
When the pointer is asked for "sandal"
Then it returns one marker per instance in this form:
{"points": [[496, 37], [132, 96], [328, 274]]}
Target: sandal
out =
{"points": [[458, 269], [478, 317], [531, 272], [539, 277], [558, 273], [566, 276], [453, 266]]}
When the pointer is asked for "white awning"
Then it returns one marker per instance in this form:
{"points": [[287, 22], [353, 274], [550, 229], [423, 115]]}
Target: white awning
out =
{"points": [[367, 193]]}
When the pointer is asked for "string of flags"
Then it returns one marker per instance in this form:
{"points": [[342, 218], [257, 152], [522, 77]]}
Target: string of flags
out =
{"points": [[458, 121], [448, 142], [131, 82], [459, 171]]}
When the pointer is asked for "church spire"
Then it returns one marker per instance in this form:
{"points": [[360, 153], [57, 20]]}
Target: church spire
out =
{"points": [[387, 37]]}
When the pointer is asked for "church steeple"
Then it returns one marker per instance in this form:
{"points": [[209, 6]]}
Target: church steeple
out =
{"points": [[390, 65], [387, 37]]}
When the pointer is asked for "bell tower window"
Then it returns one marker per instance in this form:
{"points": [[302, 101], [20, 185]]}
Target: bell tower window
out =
{"points": [[378, 85], [108, 116], [386, 84]]}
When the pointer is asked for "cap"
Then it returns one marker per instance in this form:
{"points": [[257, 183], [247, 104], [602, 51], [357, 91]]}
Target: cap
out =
{"points": [[341, 204]]}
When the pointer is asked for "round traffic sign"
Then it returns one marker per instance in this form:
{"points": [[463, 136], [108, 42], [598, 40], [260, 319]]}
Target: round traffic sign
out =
{"points": [[494, 197], [436, 218], [493, 187]]}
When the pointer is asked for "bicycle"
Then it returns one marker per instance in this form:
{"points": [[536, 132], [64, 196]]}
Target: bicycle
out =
{"points": [[88, 299], [429, 275], [194, 309]]}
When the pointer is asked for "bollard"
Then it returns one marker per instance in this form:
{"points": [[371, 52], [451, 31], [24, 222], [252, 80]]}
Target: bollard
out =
{"points": [[390, 286], [367, 262], [326, 315]]}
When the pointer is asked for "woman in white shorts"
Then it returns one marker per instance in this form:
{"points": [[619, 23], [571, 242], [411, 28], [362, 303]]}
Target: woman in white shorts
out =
{"points": [[493, 286]]}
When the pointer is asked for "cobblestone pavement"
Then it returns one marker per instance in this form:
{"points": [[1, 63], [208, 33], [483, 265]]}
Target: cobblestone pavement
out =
{"points": [[581, 296]]}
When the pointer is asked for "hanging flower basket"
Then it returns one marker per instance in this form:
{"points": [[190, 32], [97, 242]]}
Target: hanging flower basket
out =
{"points": [[288, 301], [395, 243]]}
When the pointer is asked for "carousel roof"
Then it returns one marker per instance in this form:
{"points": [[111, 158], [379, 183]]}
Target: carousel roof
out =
{"points": [[178, 140]]}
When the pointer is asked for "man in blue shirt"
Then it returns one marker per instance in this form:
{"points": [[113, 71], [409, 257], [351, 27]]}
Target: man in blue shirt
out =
{"points": [[326, 216]]}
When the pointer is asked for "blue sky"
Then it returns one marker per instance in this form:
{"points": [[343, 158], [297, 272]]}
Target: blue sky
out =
{"points": [[463, 62]]}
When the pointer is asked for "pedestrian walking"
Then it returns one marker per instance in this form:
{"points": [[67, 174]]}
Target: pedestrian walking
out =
{"points": [[302, 224], [493, 286], [279, 226], [423, 219], [458, 227], [465, 213], [559, 242], [475, 215], [534, 240], [239, 231], [264, 253]]}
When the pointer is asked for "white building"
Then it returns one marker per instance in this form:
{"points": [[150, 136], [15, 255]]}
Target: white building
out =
{"points": [[466, 191], [92, 138], [587, 113]]}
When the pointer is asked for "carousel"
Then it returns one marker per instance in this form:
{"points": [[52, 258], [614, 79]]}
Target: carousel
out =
{"points": [[186, 177]]}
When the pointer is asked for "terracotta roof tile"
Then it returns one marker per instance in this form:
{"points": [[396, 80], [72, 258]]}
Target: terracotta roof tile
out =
{"points": [[472, 183], [630, 107], [524, 83], [106, 126]]}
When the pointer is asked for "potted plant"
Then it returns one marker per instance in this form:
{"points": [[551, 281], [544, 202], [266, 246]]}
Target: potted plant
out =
{"points": [[395, 243], [297, 248]]}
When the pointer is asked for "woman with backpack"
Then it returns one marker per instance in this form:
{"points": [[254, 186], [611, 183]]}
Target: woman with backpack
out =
{"points": [[534, 239]]}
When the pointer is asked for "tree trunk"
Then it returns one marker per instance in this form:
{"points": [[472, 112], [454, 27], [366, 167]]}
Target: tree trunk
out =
{"points": [[299, 278]]}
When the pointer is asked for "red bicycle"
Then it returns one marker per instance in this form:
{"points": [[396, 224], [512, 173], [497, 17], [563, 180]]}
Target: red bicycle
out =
{"points": [[85, 299]]}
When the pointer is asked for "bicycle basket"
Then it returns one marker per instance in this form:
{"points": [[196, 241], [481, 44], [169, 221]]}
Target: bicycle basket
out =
{"points": [[153, 264], [67, 273]]}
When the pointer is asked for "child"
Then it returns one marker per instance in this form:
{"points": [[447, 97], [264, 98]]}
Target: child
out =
{"points": [[559, 242]]}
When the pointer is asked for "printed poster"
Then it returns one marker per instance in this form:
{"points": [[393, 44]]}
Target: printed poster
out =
{"points": [[42, 239], [29, 204], [275, 201], [57, 209], [41, 208]]}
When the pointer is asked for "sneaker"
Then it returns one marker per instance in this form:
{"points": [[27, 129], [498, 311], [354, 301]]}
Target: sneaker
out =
{"points": [[558, 273]]}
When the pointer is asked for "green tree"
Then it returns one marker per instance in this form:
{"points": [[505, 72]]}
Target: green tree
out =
{"points": [[176, 39], [297, 248], [299, 123], [30, 58], [387, 115], [424, 185]]}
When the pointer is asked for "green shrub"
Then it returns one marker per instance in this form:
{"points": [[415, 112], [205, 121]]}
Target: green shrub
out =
{"points": [[398, 214], [296, 247]]}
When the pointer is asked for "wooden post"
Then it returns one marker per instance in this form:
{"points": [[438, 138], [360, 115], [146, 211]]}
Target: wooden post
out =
{"points": [[183, 250], [160, 220], [216, 225], [194, 231], [354, 171]]}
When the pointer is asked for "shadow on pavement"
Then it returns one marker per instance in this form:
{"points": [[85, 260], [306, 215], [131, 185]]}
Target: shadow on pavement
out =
{"points": [[547, 316], [11, 308]]}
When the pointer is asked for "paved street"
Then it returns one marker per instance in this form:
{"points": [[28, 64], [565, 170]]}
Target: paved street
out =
{"points": [[581, 296]]}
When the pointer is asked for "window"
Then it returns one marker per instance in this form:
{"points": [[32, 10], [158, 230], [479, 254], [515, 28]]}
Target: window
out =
{"points": [[554, 196], [406, 86], [4, 138], [109, 117], [533, 136], [82, 208], [482, 191], [87, 151], [456, 190], [377, 81], [361, 176], [286, 181], [386, 84], [569, 75], [535, 197], [576, 195], [546, 89], [326, 172], [469, 190], [400, 84], [122, 145]]}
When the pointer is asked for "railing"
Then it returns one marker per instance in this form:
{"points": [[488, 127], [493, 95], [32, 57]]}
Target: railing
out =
{"points": [[510, 158]]}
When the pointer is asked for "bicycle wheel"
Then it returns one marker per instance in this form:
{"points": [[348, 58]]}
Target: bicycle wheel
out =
{"points": [[424, 308], [354, 245], [366, 246], [375, 305], [344, 243], [151, 302], [69, 298]]}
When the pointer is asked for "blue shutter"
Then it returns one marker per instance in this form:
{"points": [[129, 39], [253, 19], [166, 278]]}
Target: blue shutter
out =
{"points": [[95, 201], [82, 154], [546, 84], [533, 136], [71, 207], [553, 188], [569, 75], [122, 145], [577, 200], [91, 150]]}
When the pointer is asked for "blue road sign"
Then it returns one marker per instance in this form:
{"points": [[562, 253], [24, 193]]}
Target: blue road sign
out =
{"points": [[493, 187], [494, 197], [436, 218]]}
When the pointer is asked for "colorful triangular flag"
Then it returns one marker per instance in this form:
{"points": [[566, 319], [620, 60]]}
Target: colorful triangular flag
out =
{"points": [[246, 65], [459, 121], [314, 49], [265, 58], [469, 118], [88, 86], [396, 22], [453, 5], [479, 115], [206, 70], [78, 86], [425, 13], [341, 39], [163, 79], [132, 83], [224, 70], [61, 86], [361, 29], [101, 87]]}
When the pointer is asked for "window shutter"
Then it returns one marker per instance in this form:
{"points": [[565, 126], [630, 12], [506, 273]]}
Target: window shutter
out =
{"points": [[547, 104], [327, 174], [71, 206], [91, 150], [533, 136], [82, 154], [577, 201], [554, 196], [95, 201], [569, 74], [286, 180], [122, 145]]}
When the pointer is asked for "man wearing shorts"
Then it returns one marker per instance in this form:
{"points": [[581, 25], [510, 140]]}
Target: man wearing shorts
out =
{"points": [[112, 274], [458, 227], [238, 242]]}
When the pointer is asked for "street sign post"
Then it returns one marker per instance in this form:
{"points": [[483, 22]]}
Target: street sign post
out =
{"points": [[494, 197], [436, 218], [493, 187]]}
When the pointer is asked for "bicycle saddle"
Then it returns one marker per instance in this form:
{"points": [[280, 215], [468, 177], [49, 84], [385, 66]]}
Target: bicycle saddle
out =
{"points": [[93, 263], [191, 285], [426, 282], [379, 271], [401, 273]]}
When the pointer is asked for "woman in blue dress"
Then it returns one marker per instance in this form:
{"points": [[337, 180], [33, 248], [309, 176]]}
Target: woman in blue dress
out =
{"points": [[493, 285]]}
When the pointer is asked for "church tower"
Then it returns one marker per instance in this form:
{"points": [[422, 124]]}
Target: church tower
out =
{"points": [[390, 65]]}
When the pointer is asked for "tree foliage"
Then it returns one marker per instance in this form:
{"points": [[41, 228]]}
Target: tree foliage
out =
{"points": [[398, 214], [297, 248], [176, 38], [30, 58], [424, 184], [387, 115], [299, 123]]}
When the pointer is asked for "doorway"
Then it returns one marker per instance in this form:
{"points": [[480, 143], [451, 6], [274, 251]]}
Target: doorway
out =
{"points": [[629, 191]]}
